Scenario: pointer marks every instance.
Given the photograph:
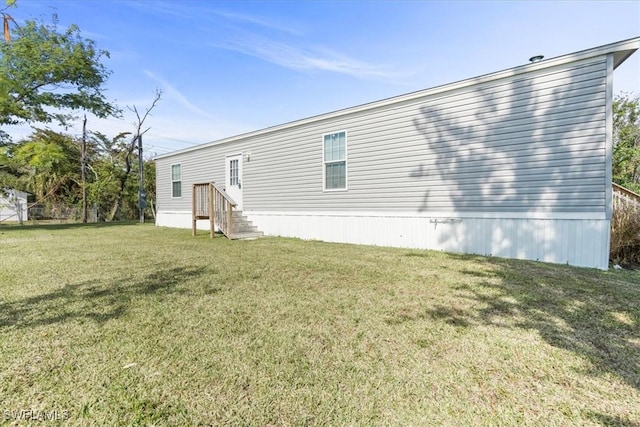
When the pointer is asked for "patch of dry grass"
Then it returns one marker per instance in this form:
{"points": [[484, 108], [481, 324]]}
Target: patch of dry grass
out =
{"points": [[137, 325], [625, 235]]}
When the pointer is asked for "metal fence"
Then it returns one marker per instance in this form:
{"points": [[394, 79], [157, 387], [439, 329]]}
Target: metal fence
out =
{"points": [[60, 212]]}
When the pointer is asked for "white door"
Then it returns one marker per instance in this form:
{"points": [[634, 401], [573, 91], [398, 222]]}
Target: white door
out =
{"points": [[233, 178]]}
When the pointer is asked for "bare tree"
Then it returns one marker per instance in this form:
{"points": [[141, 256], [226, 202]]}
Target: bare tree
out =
{"points": [[128, 151]]}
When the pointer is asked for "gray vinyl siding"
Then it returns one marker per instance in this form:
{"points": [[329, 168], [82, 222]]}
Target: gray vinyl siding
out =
{"points": [[531, 142]]}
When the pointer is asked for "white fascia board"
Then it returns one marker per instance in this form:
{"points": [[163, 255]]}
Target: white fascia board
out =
{"points": [[621, 51]]}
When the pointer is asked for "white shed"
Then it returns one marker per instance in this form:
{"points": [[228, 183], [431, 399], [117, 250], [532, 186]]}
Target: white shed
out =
{"points": [[13, 206]]}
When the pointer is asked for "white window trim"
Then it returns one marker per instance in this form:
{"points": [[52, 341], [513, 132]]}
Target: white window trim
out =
{"points": [[172, 181], [346, 163]]}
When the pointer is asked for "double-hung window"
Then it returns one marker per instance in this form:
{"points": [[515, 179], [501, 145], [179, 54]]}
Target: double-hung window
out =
{"points": [[176, 180], [335, 161]]}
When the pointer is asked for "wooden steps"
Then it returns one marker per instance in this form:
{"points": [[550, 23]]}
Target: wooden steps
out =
{"points": [[242, 228], [213, 203]]}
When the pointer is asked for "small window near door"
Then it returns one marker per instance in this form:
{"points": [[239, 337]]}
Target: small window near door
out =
{"points": [[233, 172], [335, 161], [176, 180]]}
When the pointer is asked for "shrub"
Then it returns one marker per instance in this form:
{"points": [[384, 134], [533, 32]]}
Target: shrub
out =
{"points": [[625, 235]]}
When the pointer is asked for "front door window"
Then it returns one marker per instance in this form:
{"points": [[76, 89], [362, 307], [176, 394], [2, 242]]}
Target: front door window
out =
{"points": [[233, 172]]}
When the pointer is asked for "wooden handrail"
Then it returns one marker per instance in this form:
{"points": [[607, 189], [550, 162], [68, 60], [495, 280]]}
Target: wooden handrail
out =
{"points": [[201, 208], [201, 200], [225, 195], [223, 206], [625, 196], [212, 203], [626, 191]]}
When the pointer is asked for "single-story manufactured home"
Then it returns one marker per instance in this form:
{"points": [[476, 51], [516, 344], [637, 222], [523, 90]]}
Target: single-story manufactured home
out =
{"points": [[513, 164], [13, 206]]}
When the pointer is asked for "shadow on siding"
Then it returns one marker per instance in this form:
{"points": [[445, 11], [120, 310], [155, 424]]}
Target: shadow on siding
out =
{"points": [[515, 153]]}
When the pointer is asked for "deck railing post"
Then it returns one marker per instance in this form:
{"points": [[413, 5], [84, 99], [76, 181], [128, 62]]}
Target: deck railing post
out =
{"points": [[212, 205], [209, 202], [229, 218], [194, 208], [623, 197]]}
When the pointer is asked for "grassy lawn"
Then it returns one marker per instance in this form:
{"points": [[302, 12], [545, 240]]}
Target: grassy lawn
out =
{"points": [[138, 325]]}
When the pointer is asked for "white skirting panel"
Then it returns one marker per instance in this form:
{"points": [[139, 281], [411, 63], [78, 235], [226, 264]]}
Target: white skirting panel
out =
{"points": [[578, 242], [179, 220]]}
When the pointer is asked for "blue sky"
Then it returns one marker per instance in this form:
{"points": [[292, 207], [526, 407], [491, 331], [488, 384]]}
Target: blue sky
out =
{"points": [[230, 67]]}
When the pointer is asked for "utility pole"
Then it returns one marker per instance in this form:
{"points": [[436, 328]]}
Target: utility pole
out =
{"points": [[142, 195], [83, 170]]}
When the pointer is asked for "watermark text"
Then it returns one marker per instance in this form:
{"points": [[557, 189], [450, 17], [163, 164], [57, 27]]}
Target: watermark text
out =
{"points": [[35, 415]]}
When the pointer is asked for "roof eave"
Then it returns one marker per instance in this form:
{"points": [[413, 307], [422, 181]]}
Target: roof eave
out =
{"points": [[621, 51]]}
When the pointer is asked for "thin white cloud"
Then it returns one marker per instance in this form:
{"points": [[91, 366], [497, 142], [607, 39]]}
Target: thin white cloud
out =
{"points": [[194, 11], [295, 58], [170, 91], [262, 22], [173, 9], [247, 34]]}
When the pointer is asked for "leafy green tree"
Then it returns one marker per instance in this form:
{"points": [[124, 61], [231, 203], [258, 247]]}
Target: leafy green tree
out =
{"points": [[110, 174], [8, 168], [626, 141], [47, 165], [46, 74], [126, 154], [150, 186]]}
